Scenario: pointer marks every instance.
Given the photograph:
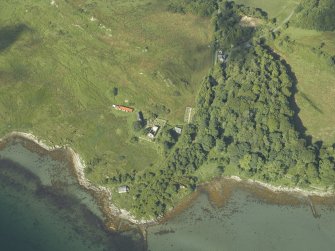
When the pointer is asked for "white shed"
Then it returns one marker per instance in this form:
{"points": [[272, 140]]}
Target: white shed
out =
{"points": [[123, 189]]}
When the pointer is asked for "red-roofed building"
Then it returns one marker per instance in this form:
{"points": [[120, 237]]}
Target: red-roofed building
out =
{"points": [[123, 108]]}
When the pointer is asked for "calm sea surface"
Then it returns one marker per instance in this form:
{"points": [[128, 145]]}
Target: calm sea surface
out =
{"points": [[43, 208], [245, 223]]}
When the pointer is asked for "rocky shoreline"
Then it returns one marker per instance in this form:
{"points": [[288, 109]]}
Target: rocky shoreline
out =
{"points": [[102, 194], [114, 214], [297, 190]]}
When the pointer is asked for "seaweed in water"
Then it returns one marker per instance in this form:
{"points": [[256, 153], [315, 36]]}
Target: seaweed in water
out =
{"points": [[165, 231]]}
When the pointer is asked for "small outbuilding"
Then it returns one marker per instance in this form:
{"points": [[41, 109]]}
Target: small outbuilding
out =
{"points": [[177, 130], [123, 189], [153, 132]]}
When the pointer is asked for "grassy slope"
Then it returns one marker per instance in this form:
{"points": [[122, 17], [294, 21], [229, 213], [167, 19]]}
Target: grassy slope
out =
{"points": [[58, 71], [316, 81]]}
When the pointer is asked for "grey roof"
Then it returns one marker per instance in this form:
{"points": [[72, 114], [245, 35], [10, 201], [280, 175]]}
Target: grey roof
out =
{"points": [[123, 189]]}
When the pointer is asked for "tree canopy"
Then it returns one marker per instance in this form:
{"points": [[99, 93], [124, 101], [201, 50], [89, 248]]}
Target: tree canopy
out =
{"points": [[316, 14], [244, 125], [198, 7]]}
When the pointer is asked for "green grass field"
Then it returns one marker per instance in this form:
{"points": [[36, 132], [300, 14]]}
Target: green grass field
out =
{"points": [[60, 63], [316, 80]]}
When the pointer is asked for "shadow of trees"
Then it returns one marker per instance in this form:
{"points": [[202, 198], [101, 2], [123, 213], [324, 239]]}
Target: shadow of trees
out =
{"points": [[10, 34], [294, 90], [294, 106]]}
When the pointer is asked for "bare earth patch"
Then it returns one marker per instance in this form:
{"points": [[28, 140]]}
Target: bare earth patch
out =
{"points": [[250, 21]]}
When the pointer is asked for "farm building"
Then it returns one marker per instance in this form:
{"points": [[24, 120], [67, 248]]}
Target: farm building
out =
{"points": [[153, 132], [123, 108], [123, 189]]}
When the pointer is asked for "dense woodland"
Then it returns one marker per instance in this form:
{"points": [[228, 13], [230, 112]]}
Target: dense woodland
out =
{"points": [[198, 7], [316, 14], [244, 125], [246, 108]]}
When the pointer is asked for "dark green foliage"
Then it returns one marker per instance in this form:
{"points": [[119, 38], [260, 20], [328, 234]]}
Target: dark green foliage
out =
{"points": [[228, 31], [252, 108], [253, 12], [115, 91], [198, 7], [160, 109], [244, 122], [207, 142], [316, 14], [244, 114], [168, 138], [160, 187], [134, 139], [332, 61]]}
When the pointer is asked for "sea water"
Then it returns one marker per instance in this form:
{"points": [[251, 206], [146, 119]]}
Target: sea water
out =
{"points": [[42, 207], [245, 223]]}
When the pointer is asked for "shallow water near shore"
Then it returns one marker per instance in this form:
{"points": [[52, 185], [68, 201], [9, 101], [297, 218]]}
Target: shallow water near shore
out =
{"points": [[247, 222], [42, 207]]}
